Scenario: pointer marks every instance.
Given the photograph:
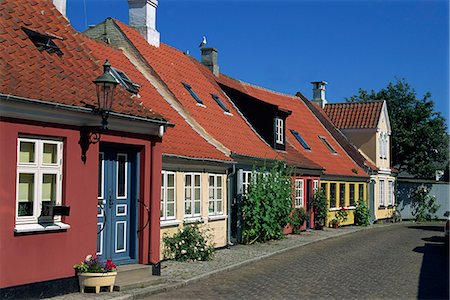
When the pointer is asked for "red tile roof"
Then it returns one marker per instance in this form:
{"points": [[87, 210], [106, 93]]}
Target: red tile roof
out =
{"points": [[354, 115], [174, 67], [307, 125], [67, 79]]}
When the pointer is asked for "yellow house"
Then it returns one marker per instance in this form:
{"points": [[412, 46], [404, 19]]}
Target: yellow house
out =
{"points": [[367, 126], [194, 197]]}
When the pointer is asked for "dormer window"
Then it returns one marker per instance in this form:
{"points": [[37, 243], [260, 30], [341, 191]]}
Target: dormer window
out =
{"points": [[279, 131], [300, 139], [327, 144], [193, 94], [43, 41], [125, 81]]}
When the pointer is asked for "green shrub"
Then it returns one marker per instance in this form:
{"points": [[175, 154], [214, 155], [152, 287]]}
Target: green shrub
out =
{"points": [[320, 205], [298, 218], [267, 206], [424, 206], [189, 243], [362, 214], [342, 215]]}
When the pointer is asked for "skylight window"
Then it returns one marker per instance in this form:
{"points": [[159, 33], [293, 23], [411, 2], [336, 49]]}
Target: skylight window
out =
{"points": [[43, 42], [300, 139], [193, 94], [324, 140], [219, 101], [125, 81]]}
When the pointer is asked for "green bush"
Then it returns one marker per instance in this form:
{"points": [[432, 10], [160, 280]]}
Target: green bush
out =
{"points": [[320, 205], [424, 206], [298, 218], [267, 206], [189, 243], [362, 214]]}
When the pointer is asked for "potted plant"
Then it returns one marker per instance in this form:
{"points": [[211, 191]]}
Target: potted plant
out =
{"points": [[334, 223], [94, 273], [298, 218]]}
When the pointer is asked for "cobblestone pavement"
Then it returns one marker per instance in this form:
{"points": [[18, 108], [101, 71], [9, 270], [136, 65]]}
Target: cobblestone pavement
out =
{"points": [[403, 261]]}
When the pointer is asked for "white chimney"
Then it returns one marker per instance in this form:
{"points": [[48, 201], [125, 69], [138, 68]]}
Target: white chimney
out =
{"points": [[142, 16], [61, 6], [319, 93]]}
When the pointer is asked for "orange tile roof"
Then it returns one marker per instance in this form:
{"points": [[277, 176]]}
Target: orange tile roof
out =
{"points": [[67, 79], [307, 125], [174, 67], [354, 115]]}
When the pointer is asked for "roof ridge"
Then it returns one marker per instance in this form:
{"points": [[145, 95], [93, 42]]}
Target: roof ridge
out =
{"points": [[260, 87]]}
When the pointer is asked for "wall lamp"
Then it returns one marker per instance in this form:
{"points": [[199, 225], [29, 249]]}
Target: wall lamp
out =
{"points": [[105, 85]]}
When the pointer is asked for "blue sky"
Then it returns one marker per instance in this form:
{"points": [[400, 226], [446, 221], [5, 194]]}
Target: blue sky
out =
{"points": [[284, 45]]}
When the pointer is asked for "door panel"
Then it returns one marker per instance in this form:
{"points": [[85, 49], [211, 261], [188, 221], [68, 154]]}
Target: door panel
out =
{"points": [[117, 202]]}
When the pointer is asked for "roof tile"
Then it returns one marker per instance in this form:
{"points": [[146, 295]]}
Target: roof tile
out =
{"points": [[356, 115]]}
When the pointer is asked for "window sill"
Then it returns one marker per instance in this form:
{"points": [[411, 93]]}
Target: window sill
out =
{"points": [[381, 207], [169, 223], [216, 217], [191, 220], [339, 208], [37, 228]]}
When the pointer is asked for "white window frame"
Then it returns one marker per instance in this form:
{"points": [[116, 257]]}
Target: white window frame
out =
{"points": [[390, 193], [164, 190], [216, 195], [39, 168], [193, 200], [315, 185], [246, 177], [299, 192], [382, 190], [279, 130]]}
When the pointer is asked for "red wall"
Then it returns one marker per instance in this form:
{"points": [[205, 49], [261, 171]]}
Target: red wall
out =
{"points": [[45, 256]]}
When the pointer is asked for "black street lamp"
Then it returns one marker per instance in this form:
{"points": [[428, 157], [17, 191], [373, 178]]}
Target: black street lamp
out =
{"points": [[106, 85]]}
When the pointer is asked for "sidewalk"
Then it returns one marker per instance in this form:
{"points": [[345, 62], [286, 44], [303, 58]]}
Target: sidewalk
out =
{"points": [[177, 274]]}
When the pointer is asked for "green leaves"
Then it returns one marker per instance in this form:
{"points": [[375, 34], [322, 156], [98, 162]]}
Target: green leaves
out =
{"points": [[320, 208], [267, 205], [424, 206], [419, 134], [362, 214], [189, 243]]}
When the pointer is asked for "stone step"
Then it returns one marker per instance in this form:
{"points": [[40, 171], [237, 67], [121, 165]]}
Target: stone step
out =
{"points": [[136, 276]]}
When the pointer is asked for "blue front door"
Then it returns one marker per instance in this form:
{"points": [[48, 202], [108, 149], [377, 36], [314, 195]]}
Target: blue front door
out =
{"points": [[116, 213]]}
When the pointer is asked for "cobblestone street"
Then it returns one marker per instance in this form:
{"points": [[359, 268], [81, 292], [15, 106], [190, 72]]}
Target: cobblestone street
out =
{"points": [[404, 261]]}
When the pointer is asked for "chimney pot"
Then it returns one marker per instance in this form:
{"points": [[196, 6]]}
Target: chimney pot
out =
{"points": [[209, 59], [142, 16], [319, 93]]}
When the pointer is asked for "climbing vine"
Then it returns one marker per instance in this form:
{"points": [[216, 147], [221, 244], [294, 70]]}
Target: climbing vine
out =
{"points": [[267, 206]]}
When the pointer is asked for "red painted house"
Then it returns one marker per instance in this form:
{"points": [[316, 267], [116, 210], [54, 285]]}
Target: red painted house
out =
{"points": [[58, 157]]}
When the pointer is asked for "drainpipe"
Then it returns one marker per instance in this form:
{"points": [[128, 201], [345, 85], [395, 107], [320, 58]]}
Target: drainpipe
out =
{"points": [[230, 197]]}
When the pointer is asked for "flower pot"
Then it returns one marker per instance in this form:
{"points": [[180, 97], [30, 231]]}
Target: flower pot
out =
{"points": [[97, 280], [335, 225]]}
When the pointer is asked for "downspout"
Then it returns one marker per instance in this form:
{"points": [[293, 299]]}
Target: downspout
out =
{"points": [[230, 197]]}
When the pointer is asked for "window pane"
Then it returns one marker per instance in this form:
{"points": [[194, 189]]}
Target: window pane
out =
{"points": [[211, 193], [171, 209], [342, 195], [197, 207], [361, 192], [170, 180], [197, 180], [197, 194], [170, 195], [219, 181], [332, 194], [211, 206], [27, 151], [219, 206], [26, 194], [352, 194], [187, 208], [219, 193], [187, 180], [50, 154], [121, 176], [211, 181], [49, 187]]}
